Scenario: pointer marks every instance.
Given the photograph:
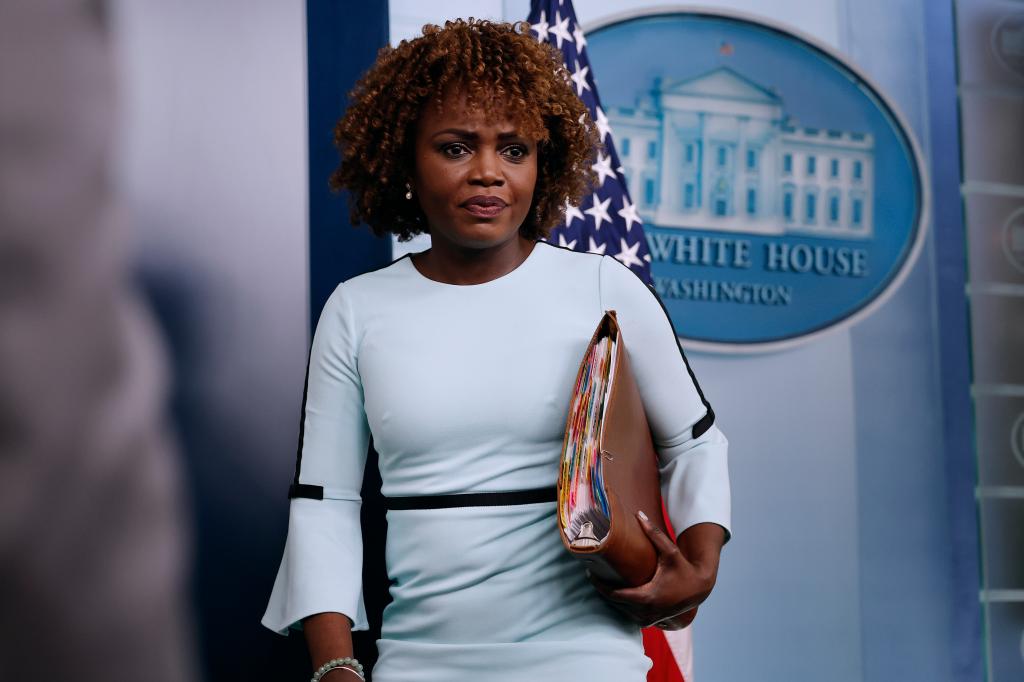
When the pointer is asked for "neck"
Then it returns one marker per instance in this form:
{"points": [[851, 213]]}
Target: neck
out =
{"points": [[453, 264]]}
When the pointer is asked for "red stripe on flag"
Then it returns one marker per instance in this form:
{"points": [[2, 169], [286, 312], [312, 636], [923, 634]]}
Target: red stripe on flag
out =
{"points": [[665, 668]]}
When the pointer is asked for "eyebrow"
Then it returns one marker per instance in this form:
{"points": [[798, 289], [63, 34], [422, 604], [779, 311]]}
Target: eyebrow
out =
{"points": [[472, 135]]}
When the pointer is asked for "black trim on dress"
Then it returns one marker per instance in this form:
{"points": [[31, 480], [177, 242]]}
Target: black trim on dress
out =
{"points": [[316, 492], [495, 499], [311, 492], [302, 432], [705, 422]]}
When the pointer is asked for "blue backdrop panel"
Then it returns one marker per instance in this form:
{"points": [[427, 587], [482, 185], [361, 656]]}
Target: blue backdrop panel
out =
{"points": [[343, 39]]}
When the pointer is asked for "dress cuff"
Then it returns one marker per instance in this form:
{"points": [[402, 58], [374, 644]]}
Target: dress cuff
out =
{"points": [[321, 570], [695, 482]]}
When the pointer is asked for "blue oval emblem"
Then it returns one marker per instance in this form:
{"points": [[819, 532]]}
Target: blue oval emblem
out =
{"points": [[781, 193]]}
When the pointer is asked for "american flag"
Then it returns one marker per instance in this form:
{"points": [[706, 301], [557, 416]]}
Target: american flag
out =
{"points": [[606, 221]]}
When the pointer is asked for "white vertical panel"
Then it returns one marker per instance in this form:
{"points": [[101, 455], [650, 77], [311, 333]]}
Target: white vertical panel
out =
{"points": [[214, 163]]}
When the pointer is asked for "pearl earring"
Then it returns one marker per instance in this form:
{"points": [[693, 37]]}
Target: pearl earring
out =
{"points": [[408, 191]]}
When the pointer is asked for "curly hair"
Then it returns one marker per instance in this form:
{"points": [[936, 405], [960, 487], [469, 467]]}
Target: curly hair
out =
{"points": [[502, 70]]}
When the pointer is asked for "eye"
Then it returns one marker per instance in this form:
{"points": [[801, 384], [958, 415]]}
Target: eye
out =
{"points": [[516, 152], [455, 150]]}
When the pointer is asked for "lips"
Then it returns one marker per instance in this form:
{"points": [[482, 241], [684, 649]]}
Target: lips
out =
{"points": [[484, 206]]}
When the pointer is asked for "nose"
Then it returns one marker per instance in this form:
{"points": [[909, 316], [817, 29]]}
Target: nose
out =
{"points": [[486, 170]]}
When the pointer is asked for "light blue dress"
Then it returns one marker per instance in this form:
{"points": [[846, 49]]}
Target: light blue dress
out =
{"points": [[466, 389]]}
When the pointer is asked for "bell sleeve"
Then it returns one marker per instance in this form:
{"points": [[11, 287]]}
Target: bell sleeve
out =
{"points": [[692, 451], [321, 570]]}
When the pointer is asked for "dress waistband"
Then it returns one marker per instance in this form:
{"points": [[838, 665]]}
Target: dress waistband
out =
{"points": [[496, 499]]}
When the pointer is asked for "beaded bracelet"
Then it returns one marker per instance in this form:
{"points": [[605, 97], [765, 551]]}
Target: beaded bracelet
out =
{"points": [[347, 662]]}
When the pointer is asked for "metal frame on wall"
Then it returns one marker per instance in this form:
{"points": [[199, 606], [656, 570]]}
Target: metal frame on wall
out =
{"points": [[953, 344], [989, 69]]}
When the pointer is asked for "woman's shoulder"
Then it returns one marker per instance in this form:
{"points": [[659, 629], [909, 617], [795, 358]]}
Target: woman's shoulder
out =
{"points": [[591, 266], [566, 261], [368, 289], [377, 279]]}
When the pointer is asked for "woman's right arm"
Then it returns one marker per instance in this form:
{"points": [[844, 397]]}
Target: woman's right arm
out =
{"points": [[319, 583], [328, 635]]}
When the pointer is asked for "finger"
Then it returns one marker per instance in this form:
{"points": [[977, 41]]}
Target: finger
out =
{"points": [[637, 611], [661, 541], [610, 591], [627, 595], [642, 619], [599, 583]]}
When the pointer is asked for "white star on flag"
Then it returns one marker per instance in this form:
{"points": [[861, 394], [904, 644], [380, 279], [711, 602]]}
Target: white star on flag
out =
{"points": [[560, 29], [581, 41], [602, 124], [599, 211], [579, 77], [628, 213], [627, 254], [572, 213], [603, 168], [606, 221], [541, 27]]}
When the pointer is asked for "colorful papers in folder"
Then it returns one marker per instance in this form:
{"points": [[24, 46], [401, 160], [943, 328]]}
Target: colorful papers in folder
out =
{"points": [[584, 510]]}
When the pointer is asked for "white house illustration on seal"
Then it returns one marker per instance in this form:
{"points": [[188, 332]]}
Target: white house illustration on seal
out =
{"points": [[718, 152]]}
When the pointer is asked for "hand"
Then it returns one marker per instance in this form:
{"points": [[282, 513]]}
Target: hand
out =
{"points": [[684, 577]]}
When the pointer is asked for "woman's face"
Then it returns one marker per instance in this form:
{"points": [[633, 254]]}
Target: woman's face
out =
{"points": [[474, 180]]}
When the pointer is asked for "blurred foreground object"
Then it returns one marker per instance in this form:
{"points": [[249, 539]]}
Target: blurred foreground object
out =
{"points": [[91, 539]]}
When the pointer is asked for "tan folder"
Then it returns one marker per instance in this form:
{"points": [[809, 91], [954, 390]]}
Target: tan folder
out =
{"points": [[609, 468]]}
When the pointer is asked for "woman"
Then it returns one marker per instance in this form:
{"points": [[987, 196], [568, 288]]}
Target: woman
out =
{"points": [[460, 361]]}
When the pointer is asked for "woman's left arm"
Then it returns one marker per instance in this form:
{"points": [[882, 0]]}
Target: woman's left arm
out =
{"points": [[686, 574], [692, 453]]}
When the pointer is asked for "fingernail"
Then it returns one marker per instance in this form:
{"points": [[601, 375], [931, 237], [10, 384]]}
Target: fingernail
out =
{"points": [[642, 515]]}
